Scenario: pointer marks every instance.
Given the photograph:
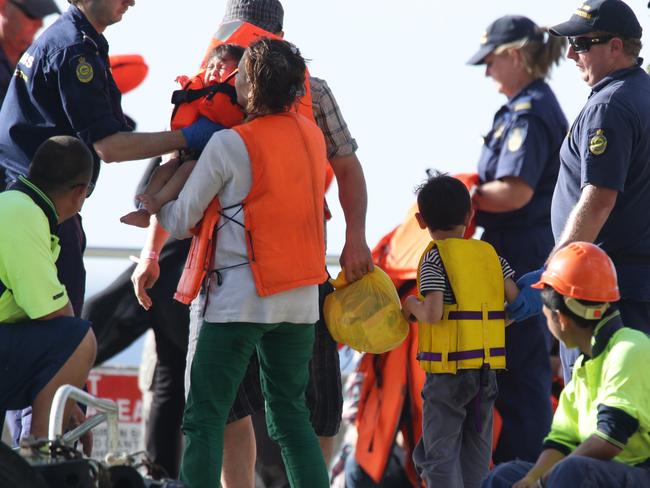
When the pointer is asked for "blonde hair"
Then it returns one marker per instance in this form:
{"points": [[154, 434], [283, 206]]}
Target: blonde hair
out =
{"points": [[539, 53]]}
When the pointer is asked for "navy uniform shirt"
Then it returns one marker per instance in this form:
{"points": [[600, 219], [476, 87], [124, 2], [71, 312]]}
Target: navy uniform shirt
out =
{"points": [[62, 86], [524, 142], [609, 146], [6, 69]]}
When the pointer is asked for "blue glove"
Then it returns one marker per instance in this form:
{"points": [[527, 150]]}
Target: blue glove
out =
{"points": [[529, 301], [199, 133]]}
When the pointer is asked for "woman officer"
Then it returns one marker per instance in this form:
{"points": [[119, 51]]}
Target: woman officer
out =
{"points": [[518, 168]]}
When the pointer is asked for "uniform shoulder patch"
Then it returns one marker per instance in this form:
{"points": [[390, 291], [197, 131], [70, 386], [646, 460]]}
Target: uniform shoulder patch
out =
{"points": [[84, 71], [516, 138], [598, 143], [521, 106]]}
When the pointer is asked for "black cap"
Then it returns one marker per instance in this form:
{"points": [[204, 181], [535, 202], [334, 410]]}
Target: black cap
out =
{"points": [[504, 30], [612, 16], [266, 14], [37, 9]]}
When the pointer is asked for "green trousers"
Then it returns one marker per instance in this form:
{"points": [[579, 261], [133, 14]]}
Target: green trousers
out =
{"points": [[222, 355]]}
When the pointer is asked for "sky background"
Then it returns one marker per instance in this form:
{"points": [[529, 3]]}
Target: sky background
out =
{"points": [[398, 73], [397, 70]]}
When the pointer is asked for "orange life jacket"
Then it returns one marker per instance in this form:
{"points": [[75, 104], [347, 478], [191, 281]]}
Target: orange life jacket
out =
{"points": [[217, 102], [244, 34], [391, 386], [128, 70], [283, 212], [471, 181], [199, 260], [194, 273]]}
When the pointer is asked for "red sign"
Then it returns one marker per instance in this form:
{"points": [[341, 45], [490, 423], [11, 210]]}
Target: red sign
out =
{"points": [[121, 386]]}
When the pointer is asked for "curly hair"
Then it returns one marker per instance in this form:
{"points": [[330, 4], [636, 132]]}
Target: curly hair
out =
{"points": [[276, 72]]}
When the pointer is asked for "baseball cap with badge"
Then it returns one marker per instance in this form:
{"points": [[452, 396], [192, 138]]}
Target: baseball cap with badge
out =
{"points": [[266, 14], [504, 30], [36, 9], [612, 16]]}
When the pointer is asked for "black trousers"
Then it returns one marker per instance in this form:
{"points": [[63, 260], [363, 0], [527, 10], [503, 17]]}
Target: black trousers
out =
{"points": [[118, 320]]}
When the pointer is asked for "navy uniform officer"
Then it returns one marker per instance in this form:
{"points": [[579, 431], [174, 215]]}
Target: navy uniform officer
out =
{"points": [[603, 188], [19, 21], [63, 85], [518, 168]]}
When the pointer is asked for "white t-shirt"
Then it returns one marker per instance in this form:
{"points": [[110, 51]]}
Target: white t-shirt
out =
{"points": [[224, 169]]}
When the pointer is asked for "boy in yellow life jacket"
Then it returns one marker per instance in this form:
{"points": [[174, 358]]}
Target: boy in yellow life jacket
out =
{"points": [[460, 309], [218, 105]]}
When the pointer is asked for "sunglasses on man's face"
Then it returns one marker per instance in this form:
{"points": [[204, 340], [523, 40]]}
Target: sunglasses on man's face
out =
{"points": [[583, 44]]}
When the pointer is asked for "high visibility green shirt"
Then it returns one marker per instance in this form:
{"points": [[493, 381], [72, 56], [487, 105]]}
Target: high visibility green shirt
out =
{"points": [[29, 285], [608, 395]]}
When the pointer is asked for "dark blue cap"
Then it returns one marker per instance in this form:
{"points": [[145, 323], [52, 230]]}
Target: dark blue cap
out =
{"points": [[37, 9], [613, 16], [504, 30]]}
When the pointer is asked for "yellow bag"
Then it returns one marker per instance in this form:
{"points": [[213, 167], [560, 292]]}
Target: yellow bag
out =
{"points": [[366, 315]]}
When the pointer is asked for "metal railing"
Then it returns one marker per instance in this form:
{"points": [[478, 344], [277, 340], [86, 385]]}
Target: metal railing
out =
{"points": [[107, 411], [125, 252]]}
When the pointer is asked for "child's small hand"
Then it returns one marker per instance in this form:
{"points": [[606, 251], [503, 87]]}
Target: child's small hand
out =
{"points": [[407, 309]]}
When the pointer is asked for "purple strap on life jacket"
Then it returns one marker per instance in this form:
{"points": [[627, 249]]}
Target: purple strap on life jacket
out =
{"points": [[461, 355], [476, 315]]}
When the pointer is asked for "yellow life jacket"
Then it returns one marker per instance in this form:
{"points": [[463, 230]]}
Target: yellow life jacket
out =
{"points": [[471, 334]]}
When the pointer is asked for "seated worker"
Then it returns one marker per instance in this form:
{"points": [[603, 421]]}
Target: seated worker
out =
{"points": [[599, 436], [42, 344], [268, 264], [219, 106], [462, 284]]}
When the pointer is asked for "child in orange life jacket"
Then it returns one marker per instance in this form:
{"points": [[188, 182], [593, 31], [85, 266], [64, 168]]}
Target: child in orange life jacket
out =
{"points": [[168, 179], [462, 284]]}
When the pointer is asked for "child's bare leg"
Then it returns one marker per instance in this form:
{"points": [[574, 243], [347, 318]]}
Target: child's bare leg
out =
{"points": [[159, 178], [170, 191], [161, 175]]}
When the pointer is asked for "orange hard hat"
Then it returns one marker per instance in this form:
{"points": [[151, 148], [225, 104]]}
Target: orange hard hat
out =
{"points": [[583, 271]]}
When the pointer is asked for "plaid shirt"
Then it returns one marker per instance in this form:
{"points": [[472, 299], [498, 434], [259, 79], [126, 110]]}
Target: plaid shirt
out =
{"points": [[328, 116]]}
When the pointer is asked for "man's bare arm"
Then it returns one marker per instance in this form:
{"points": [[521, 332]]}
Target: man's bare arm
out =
{"points": [[589, 215], [355, 257], [129, 146], [65, 311]]}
